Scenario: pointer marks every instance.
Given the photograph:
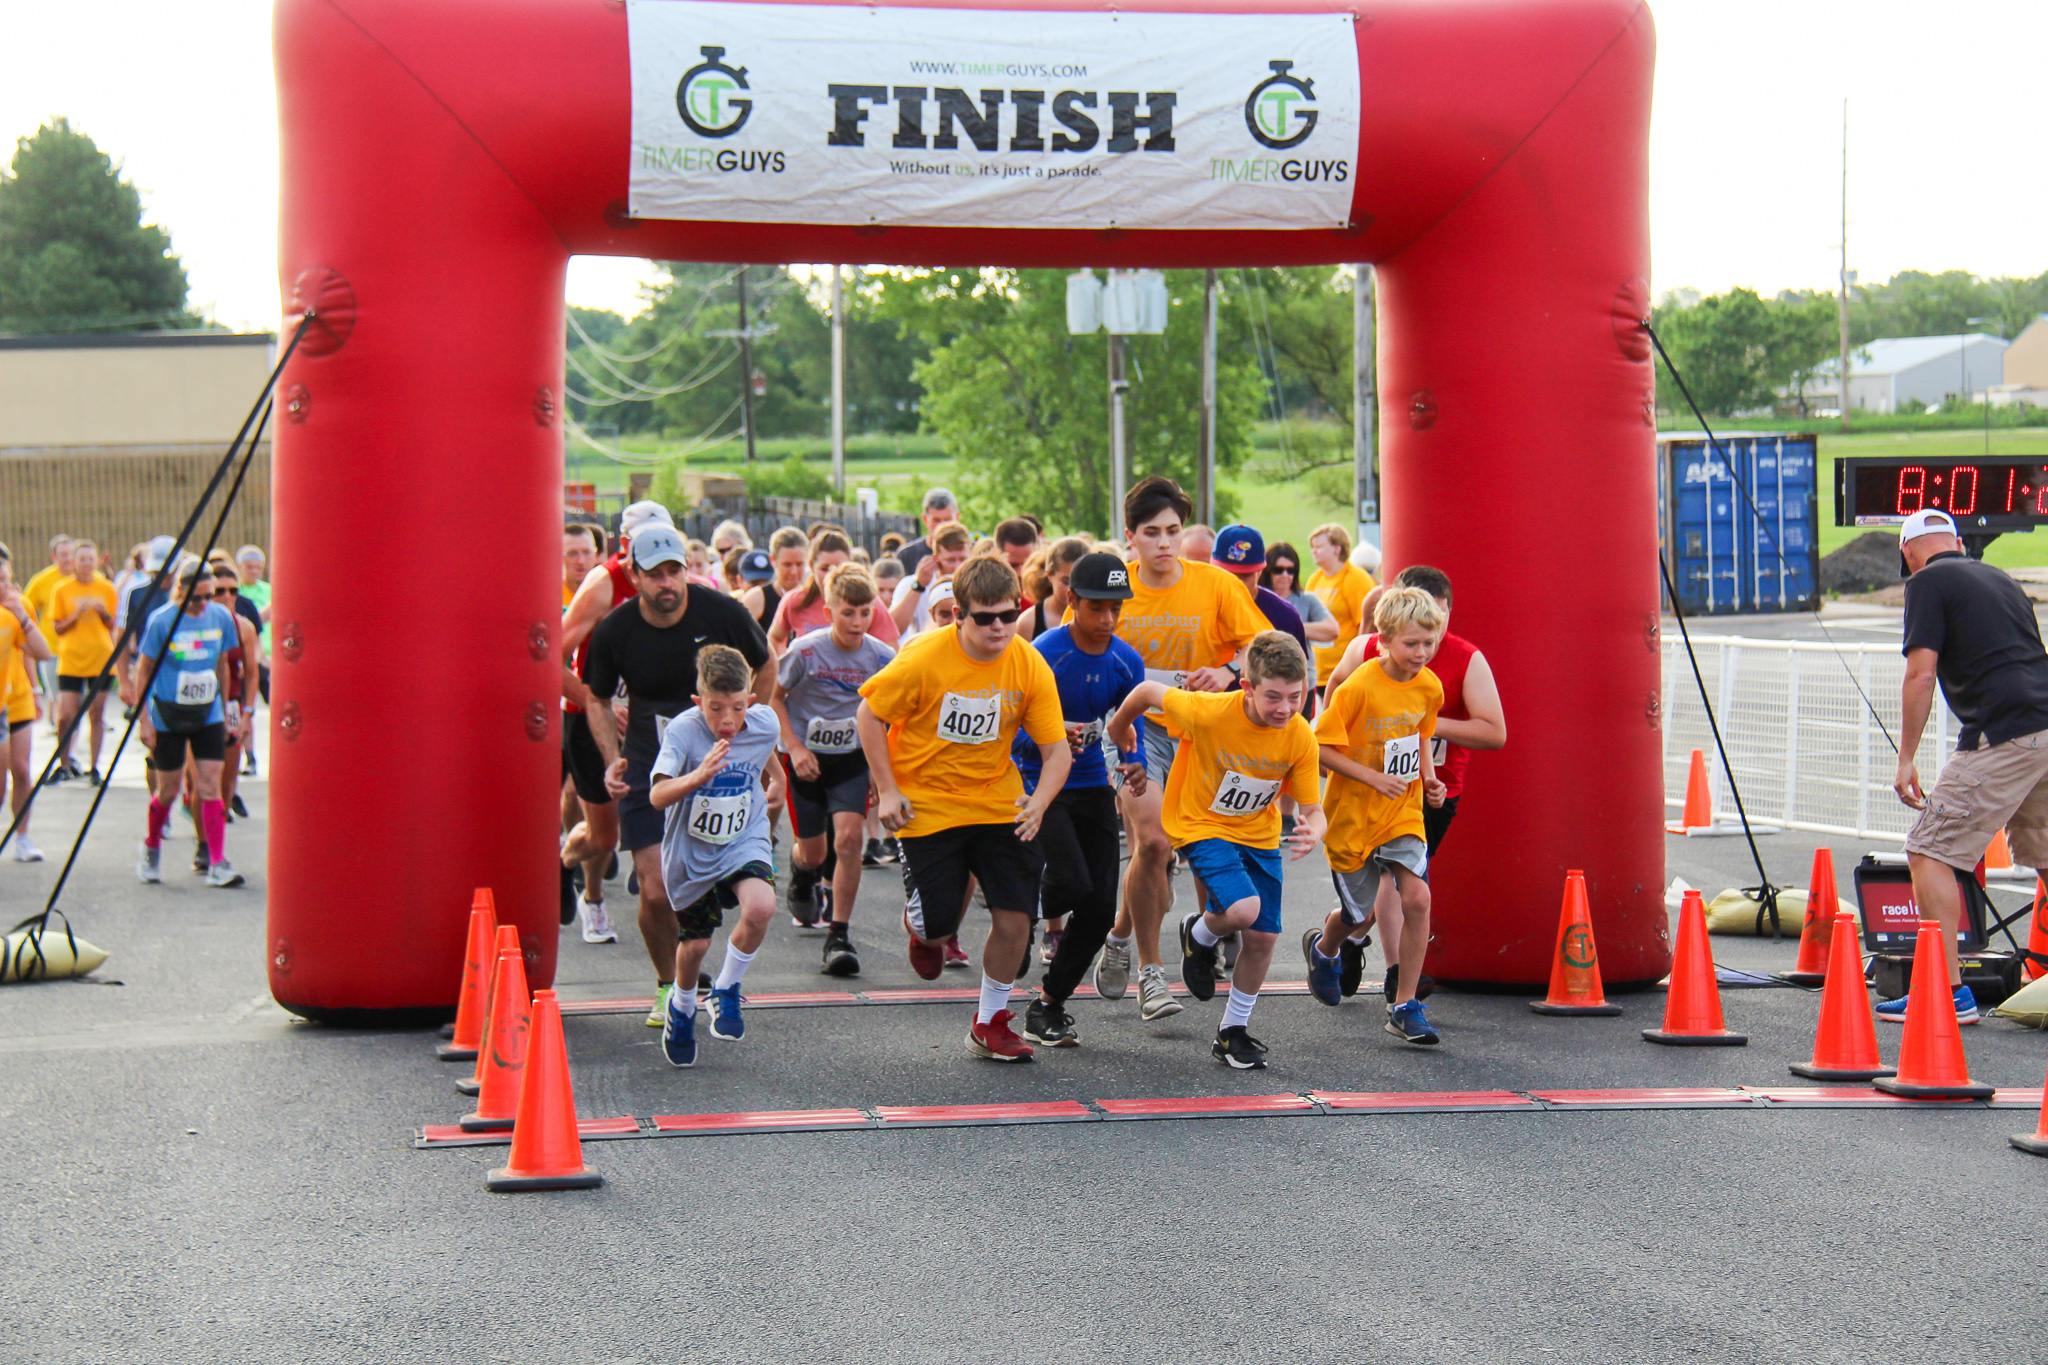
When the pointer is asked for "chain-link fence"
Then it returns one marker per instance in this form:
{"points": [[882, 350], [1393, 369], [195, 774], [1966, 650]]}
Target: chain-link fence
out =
{"points": [[1802, 743]]}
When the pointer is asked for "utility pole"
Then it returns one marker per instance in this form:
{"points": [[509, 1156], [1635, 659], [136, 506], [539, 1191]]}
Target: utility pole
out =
{"points": [[1118, 387], [838, 387], [746, 370], [1205, 474], [1842, 297], [1364, 404]]}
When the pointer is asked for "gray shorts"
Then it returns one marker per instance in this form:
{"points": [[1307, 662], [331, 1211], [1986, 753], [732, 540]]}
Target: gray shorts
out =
{"points": [[1358, 889], [1160, 748]]}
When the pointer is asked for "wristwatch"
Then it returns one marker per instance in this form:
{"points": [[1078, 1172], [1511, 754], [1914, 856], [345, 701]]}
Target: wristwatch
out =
{"points": [[917, 585]]}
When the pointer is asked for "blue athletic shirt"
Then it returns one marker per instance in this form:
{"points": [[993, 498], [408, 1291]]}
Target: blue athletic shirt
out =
{"points": [[1092, 686], [188, 671]]}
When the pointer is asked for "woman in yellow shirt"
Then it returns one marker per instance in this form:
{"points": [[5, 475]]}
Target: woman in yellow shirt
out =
{"points": [[1341, 585]]}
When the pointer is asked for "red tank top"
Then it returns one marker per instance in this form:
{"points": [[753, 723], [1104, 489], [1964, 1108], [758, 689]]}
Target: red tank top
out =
{"points": [[1453, 657], [622, 588]]}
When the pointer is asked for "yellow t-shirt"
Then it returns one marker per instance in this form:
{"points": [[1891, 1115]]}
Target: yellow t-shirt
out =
{"points": [[1229, 772], [951, 721], [1199, 622], [1344, 594], [1369, 712], [36, 592], [568, 596], [83, 650], [20, 698]]}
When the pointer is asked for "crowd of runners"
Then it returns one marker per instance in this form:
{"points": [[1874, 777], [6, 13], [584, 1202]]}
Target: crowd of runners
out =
{"points": [[183, 650], [1050, 730]]}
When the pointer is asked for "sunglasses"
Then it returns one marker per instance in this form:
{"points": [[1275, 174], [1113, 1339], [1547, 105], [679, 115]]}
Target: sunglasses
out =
{"points": [[1283, 568], [989, 618]]}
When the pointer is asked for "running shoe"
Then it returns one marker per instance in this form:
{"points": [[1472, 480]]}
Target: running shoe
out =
{"points": [[238, 806], [1050, 1024], [1410, 1024], [892, 852], [927, 958], [1351, 957], [1894, 1011], [997, 1041], [840, 958], [803, 900], [1237, 1047], [871, 856], [149, 864], [92, 777], [824, 924], [1324, 973], [633, 882], [611, 867], [726, 1022], [249, 764], [220, 874], [660, 1010], [1155, 997], [202, 862], [678, 1033], [1113, 971], [956, 956], [569, 896], [1052, 945], [1230, 943], [1197, 963], [597, 925], [25, 850]]}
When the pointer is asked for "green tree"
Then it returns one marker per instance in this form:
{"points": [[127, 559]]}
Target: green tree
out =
{"points": [[1304, 316], [1738, 351], [75, 254], [1914, 303], [1023, 406]]}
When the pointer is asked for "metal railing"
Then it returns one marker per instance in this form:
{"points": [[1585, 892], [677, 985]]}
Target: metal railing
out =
{"points": [[1801, 742]]}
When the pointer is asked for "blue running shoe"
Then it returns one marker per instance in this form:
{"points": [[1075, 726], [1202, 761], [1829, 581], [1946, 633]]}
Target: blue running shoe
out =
{"points": [[1325, 974], [679, 1033], [1408, 1023], [1894, 1011], [725, 1014]]}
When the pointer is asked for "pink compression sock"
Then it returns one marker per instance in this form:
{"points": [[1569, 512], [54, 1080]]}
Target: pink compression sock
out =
{"points": [[159, 816], [214, 816]]}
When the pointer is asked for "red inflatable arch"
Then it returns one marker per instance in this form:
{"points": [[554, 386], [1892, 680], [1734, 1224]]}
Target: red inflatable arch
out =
{"points": [[442, 159]]}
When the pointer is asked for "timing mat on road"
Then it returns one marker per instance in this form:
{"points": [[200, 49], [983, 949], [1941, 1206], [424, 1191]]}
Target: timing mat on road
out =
{"points": [[1307, 1103], [942, 995]]}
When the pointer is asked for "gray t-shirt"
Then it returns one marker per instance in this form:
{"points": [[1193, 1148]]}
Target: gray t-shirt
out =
{"points": [[1310, 606], [723, 825], [823, 682]]}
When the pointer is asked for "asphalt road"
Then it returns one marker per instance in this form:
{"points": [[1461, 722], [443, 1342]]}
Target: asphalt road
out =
{"points": [[199, 1178]]}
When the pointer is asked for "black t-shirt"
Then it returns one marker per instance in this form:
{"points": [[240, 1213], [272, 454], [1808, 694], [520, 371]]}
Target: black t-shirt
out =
{"points": [[246, 609], [1982, 628], [910, 555], [658, 667]]}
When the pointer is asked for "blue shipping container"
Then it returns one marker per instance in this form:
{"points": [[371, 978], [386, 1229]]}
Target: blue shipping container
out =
{"points": [[1725, 557]]}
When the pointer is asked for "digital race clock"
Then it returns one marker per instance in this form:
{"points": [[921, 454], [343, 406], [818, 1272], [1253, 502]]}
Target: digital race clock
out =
{"points": [[1983, 495]]}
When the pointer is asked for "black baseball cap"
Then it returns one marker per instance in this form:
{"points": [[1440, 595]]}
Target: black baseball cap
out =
{"points": [[756, 566], [1101, 578]]}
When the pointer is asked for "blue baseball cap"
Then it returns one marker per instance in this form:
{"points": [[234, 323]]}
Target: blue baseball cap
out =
{"points": [[756, 566], [1239, 548]]}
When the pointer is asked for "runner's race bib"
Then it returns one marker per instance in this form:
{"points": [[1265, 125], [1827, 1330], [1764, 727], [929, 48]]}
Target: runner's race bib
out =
{"points": [[197, 689], [1172, 677], [971, 720], [719, 819], [1090, 737], [1237, 794], [832, 736], [1402, 758]]}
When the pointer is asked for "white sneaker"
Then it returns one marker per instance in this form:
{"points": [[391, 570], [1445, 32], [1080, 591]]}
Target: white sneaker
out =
{"points": [[220, 874], [148, 864], [25, 850], [597, 925]]}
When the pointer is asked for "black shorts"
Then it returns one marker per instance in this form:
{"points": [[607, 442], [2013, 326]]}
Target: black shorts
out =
{"points": [[936, 868], [639, 822], [90, 686], [1436, 822], [842, 785], [15, 727], [209, 745], [708, 911], [585, 762]]}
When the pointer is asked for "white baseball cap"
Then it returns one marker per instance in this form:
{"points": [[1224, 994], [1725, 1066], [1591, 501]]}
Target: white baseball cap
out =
{"points": [[1928, 521], [159, 550], [644, 513]]}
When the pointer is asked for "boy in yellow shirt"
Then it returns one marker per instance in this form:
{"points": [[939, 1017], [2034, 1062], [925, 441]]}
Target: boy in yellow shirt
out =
{"points": [[936, 724], [1375, 737], [1238, 752], [82, 615]]}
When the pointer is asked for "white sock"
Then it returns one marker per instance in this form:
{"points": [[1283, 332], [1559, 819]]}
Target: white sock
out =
{"points": [[995, 997], [735, 966], [1238, 1013], [687, 995], [1317, 945], [1200, 932], [1123, 942]]}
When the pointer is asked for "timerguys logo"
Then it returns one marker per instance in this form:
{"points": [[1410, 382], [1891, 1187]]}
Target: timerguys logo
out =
{"points": [[1280, 111], [705, 100]]}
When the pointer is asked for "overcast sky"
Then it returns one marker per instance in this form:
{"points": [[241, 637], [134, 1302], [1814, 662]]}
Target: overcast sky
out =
{"points": [[1944, 158]]}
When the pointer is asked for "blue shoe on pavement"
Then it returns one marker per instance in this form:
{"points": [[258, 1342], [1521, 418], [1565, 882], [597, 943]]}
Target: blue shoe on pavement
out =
{"points": [[1894, 1011], [1407, 1022], [679, 1033], [1325, 974], [725, 1014]]}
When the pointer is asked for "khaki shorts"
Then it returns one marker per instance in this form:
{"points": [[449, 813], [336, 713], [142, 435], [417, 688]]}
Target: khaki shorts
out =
{"points": [[1981, 791]]}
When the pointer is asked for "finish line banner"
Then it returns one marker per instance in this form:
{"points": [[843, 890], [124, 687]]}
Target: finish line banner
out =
{"points": [[853, 116]]}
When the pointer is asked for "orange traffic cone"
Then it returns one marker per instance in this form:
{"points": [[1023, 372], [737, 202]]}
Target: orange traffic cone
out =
{"points": [[1692, 1009], [2037, 938], [504, 1051], [546, 1153], [2036, 1141], [1575, 971], [1699, 803], [1822, 905], [476, 980], [473, 1083], [1999, 855], [1845, 1043], [1931, 1061]]}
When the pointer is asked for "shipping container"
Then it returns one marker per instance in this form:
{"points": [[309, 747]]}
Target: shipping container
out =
{"points": [[1730, 553]]}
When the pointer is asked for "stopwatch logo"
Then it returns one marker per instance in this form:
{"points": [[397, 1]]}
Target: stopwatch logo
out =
{"points": [[706, 100], [1280, 111]]}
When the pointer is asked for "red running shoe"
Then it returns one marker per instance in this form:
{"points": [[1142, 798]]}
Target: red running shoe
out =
{"points": [[997, 1041], [956, 956], [926, 959]]}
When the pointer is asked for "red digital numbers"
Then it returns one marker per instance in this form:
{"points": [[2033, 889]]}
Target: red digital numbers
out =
{"points": [[1912, 484], [2012, 476], [1955, 490]]}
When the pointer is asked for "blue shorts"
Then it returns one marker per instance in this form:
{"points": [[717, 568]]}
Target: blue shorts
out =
{"points": [[1233, 873]]}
